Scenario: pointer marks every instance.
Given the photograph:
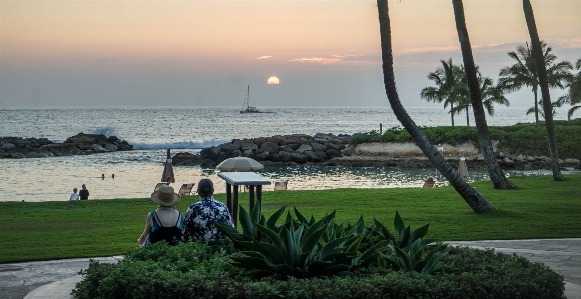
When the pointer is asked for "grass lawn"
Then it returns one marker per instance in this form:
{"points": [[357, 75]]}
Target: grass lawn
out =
{"points": [[539, 208]]}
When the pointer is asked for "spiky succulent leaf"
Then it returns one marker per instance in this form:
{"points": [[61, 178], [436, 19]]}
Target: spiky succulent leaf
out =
{"points": [[419, 233], [271, 222], [398, 223]]}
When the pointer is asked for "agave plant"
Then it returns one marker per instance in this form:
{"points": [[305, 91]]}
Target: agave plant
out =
{"points": [[298, 248], [414, 259]]}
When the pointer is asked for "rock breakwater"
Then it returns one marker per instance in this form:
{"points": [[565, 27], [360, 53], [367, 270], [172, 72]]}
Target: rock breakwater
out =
{"points": [[297, 148], [81, 144]]}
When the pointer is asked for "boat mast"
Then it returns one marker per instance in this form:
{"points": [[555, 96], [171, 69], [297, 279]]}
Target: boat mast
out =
{"points": [[248, 97]]}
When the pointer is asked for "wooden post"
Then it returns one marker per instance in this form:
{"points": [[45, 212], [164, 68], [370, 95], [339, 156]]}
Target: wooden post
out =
{"points": [[168, 154], [380, 129]]}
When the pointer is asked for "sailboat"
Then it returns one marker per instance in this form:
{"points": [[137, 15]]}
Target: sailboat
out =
{"points": [[247, 108]]}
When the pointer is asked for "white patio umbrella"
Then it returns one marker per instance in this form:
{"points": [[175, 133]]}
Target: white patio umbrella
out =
{"points": [[239, 164]]}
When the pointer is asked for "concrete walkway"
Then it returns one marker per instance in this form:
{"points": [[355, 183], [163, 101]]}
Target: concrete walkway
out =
{"points": [[56, 279]]}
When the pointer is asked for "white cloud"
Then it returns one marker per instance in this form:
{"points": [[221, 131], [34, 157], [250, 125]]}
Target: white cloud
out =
{"points": [[264, 57]]}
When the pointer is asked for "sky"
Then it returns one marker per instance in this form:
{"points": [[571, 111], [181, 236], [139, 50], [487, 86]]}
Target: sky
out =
{"points": [[325, 53]]}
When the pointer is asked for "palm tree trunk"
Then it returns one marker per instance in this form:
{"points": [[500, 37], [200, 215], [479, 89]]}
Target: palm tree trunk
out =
{"points": [[537, 123], [452, 112], [467, 117], [499, 180], [476, 201], [542, 72]]}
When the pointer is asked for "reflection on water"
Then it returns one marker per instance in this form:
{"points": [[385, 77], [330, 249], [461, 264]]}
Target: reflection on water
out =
{"points": [[137, 173]]}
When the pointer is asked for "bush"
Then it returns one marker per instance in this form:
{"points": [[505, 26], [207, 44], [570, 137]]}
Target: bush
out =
{"points": [[485, 274]]}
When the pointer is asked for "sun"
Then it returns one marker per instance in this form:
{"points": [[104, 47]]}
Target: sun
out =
{"points": [[273, 80]]}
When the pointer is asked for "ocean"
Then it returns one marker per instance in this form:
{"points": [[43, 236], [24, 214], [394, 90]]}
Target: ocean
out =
{"points": [[152, 130]]}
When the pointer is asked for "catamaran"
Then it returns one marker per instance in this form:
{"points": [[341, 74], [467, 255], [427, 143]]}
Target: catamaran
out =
{"points": [[247, 108]]}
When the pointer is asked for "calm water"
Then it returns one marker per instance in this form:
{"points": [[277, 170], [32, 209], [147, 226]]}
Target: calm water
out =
{"points": [[152, 130]]}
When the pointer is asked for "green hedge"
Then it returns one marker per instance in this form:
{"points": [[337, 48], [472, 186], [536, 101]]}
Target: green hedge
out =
{"points": [[192, 271], [517, 139]]}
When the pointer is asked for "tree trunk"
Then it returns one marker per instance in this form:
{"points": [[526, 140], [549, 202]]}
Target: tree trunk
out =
{"points": [[537, 123], [499, 180], [467, 117], [452, 112], [476, 201], [542, 72]]}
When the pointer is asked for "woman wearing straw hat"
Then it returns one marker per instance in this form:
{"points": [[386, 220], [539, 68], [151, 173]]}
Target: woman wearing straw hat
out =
{"points": [[164, 223]]}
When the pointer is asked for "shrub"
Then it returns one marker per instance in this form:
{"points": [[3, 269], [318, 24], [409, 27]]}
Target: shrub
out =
{"points": [[484, 274]]}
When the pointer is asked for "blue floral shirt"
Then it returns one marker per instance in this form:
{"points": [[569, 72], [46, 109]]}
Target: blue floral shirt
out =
{"points": [[200, 217]]}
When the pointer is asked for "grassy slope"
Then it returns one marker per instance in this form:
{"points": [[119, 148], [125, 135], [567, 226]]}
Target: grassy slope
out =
{"points": [[540, 208]]}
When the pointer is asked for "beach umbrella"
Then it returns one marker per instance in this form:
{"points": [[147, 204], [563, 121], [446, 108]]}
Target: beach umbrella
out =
{"points": [[462, 168], [239, 164], [167, 175]]}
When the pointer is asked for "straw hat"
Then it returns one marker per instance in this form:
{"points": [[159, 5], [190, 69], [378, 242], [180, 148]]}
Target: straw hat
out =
{"points": [[165, 196]]}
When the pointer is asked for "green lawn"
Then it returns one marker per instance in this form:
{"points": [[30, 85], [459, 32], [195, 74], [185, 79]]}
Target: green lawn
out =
{"points": [[539, 208]]}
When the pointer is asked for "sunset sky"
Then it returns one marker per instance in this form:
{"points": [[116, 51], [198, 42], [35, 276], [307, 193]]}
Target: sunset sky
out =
{"points": [[205, 53]]}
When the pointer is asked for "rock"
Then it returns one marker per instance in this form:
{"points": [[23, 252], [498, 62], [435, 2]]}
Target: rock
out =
{"points": [[286, 148], [261, 156], [322, 155], [331, 145], [223, 156], [284, 156], [111, 147], [275, 139], [17, 155], [248, 154], [347, 152], [274, 157], [210, 153], [333, 154], [572, 161], [312, 156], [303, 148], [508, 162], [259, 141], [113, 139], [88, 138], [7, 146], [185, 159], [207, 164], [236, 153], [269, 147], [37, 155], [229, 147], [531, 158], [318, 147], [299, 157], [248, 146], [98, 149]]}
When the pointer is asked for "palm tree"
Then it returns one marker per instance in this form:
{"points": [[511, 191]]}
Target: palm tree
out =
{"points": [[573, 96], [524, 72], [476, 201], [499, 180], [540, 64], [448, 85], [491, 95]]}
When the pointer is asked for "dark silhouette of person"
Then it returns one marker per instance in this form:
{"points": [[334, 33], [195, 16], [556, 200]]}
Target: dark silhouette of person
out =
{"points": [[84, 193]]}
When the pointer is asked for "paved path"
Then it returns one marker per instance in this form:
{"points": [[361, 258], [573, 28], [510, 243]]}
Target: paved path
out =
{"points": [[56, 279]]}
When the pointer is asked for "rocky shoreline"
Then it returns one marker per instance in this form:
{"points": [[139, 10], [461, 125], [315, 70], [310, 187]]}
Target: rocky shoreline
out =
{"points": [[81, 144], [320, 149], [334, 150]]}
